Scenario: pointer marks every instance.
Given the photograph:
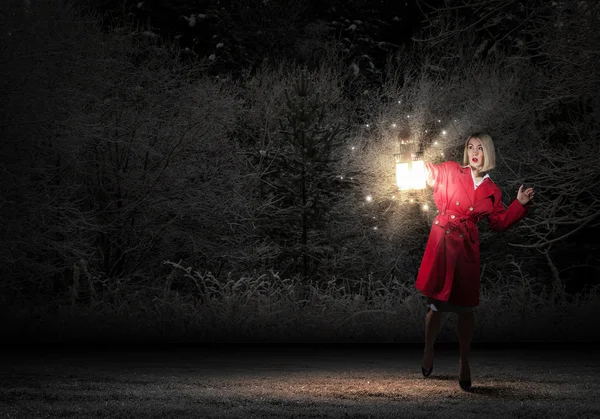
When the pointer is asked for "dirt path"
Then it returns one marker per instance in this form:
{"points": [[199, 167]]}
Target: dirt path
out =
{"points": [[299, 382]]}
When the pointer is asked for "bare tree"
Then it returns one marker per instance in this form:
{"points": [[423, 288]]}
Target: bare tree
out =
{"points": [[559, 38]]}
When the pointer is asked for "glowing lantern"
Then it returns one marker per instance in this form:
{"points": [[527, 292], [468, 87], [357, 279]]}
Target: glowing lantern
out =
{"points": [[410, 168]]}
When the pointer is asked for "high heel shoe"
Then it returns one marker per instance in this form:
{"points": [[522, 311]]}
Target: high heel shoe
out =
{"points": [[465, 385], [464, 371], [426, 371]]}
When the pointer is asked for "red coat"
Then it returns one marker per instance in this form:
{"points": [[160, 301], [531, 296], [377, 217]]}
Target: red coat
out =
{"points": [[450, 268]]}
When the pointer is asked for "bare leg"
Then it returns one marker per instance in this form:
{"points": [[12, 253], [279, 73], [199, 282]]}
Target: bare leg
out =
{"points": [[466, 324], [432, 326]]}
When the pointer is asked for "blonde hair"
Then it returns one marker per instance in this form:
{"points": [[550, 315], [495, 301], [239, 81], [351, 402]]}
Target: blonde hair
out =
{"points": [[489, 153]]}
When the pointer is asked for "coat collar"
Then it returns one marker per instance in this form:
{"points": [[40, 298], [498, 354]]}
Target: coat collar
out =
{"points": [[468, 170], [484, 189]]}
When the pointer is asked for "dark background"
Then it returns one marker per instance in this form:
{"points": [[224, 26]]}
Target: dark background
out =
{"points": [[105, 185]]}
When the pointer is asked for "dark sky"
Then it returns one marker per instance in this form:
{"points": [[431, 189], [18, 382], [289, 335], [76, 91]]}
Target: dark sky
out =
{"points": [[251, 30], [166, 14]]}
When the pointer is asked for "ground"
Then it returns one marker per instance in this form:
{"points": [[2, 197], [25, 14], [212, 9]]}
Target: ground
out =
{"points": [[298, 381]]}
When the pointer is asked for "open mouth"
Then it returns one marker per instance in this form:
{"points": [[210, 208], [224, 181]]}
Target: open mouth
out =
{"points": [[475, 160]]}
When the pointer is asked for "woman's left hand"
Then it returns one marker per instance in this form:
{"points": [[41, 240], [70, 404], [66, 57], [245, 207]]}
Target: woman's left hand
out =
{"points": [[525, 196]]}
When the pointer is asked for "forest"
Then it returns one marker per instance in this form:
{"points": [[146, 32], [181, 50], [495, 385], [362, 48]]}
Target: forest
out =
{"points": [[203, 170]]}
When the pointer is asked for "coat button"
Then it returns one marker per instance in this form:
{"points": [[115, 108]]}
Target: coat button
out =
{"points": [[453, 216], [470, 208], [443, 213], [457, 203], [447, 231], [437, 222], [460, 235]]}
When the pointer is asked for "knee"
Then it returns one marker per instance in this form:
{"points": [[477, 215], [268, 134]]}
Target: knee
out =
{"points": [[466, 316]]}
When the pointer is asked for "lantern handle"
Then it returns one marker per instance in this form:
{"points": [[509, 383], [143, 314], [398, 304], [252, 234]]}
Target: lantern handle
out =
{"points": [[416, 155]]}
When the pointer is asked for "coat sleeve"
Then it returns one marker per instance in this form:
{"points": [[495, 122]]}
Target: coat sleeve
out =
{"points": [[501, 219], [436, 173]]}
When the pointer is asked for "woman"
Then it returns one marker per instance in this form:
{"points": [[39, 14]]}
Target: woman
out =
{"points": [[450, 269]]}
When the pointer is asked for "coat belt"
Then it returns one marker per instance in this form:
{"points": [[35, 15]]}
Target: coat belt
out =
{"points": [[461, 221]]}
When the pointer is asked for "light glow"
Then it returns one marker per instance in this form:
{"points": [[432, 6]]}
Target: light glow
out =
{"points": [[410, 175], [369, 198]]}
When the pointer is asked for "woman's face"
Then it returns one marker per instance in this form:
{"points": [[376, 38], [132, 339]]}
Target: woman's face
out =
{"points": [[475, 153]]}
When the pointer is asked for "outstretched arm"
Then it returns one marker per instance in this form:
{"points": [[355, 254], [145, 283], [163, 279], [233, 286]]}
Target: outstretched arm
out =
{"points": [[501, 219], [435, 173]]}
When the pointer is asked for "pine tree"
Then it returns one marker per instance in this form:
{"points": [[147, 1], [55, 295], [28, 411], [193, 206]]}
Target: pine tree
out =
{"points": [[304, 180]]}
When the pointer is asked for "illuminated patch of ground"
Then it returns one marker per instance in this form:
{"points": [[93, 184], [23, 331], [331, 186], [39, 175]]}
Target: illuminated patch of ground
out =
{"points": [[282, 383]]}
